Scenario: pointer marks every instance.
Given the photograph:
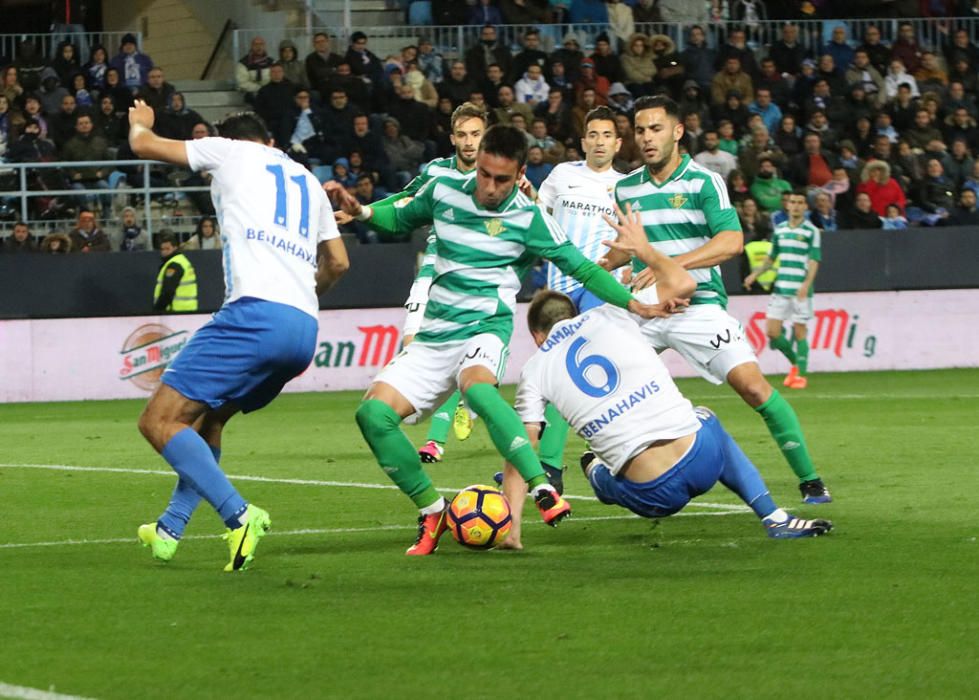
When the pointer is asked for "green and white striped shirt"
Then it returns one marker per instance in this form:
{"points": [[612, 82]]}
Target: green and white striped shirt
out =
{"points": [[682, 214], [481, 256], [794, 247]]}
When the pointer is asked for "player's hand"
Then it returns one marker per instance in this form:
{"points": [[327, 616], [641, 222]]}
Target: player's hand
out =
{"points": [[749, 280], [141, 114], [664, 309], [632, 235], [802, 294], [342, 199], [342, 217], [643, 279], [527, 188]]}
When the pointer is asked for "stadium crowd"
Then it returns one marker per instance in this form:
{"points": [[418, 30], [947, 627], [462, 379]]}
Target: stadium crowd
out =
{"points": [[880, 134]]}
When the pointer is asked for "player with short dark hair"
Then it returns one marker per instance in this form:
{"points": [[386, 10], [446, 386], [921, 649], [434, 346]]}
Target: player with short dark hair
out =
{"points": [[688, 214], [282, 248]]}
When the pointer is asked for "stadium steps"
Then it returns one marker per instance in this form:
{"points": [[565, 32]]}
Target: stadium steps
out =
{"points": [[213, 99]]}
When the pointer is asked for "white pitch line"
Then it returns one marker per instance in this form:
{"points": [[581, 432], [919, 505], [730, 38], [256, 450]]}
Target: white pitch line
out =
{"points": [[20, 692], [332, 531], [846, 397], [305, 482]]}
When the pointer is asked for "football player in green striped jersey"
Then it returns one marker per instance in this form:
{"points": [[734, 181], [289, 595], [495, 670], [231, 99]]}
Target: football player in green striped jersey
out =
{"points": [[796, 246], [488, 234], [688, 215]]}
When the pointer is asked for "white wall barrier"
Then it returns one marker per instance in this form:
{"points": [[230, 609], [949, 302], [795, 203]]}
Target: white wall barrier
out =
{"points": [[116, 358]]}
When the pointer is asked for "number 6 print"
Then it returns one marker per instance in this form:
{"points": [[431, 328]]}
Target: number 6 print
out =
{"points": [[578, 366]]}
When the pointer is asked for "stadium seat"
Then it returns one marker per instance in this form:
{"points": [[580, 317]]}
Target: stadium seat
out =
{"points": [[323, 172], [420, 13]]}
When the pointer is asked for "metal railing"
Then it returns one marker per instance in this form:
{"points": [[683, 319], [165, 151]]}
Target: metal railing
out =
{"points": [[117, 180], [46, 44], [452, 41]]}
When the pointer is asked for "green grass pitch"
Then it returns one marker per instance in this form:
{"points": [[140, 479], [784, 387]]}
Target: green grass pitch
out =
{"points": [[701, 605]]}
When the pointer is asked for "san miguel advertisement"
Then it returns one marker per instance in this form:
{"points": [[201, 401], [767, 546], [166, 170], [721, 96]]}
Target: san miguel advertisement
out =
{"points": [[112, 358]]}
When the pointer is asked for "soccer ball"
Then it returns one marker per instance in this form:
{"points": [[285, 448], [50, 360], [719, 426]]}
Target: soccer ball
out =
{"points": [[479, 517]]}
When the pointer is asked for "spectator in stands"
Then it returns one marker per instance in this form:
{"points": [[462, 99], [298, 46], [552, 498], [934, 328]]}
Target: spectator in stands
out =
{"points": [[930, 76], [274, 100], [422, 88], [607, 64], [65, 62], [537, 167], [698, 58], [176, 281], [965, 212], [303, 132], [78, 88], [863, 73], [416, 118], [553, 150], [366, 193], [935, 193], [531, 54], [670, 73], [156, 92], [787, 52], [458, 85], [486, 52], [757, 226], [87, 145], [294, 69], [803, 84], [430, 61], [958, 163], [906, 48], [338, 114], [559, 80], [29, 64], [819, 124], [763, 106], [731, 79], [620, 100], [958, 96], [51, 93], [205, 236], [87, 237], [586, 102], [767, 187], [56, 244], [133, 65], [713, 158], [508, 106], [492, 82], [861, 216], [814, 166], [62, 124], [736, 47], [823, 216], [96, 67], [570, 56], [122, 97], [737, 187], [788, 137], [532, 89], [923, 132], [178, 120], [877, 183], [637, 65], [960, 48], [897, 75], [692, 100], [10, 86], [370, 153], [31, 145], [879, 53], [826, 69], [109, 125], [133, 238], [253, 70], [893, 219], [732, 110], [353, 87], [849, 160], [590, 80], [839, 47], [629, 157], [364, 64], [321, 64], [485, 12], [557, 113], [693, 131], [21, 241]]}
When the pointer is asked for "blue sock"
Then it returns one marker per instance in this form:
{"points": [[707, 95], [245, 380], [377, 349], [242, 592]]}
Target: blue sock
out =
{"points": [[742, 477], [192, 459], [182, 504]]}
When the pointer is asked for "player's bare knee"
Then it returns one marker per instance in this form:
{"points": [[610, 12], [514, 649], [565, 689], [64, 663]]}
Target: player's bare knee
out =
{"points": [[750, 384]]}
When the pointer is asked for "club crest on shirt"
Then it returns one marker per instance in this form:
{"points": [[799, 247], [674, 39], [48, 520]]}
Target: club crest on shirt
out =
{"points": [[494, 227], [677, 201]]}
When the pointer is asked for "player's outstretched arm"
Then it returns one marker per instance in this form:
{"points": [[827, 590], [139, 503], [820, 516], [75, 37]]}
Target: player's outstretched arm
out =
{"points": [[146, 144], [332, 263], [672, 280]]}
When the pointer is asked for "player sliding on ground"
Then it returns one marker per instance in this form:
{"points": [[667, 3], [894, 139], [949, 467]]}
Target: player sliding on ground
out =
{"points": [[651, 451], [488, 234], [282, 248], [687, 214], [795, 244]]}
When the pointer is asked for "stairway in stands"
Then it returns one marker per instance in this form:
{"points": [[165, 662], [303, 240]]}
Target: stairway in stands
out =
{"points": [[213, 99]]}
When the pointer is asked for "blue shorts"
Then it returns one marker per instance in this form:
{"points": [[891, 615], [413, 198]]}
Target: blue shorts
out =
{"points": [[584, 300], [693, 475], [244, 355]]}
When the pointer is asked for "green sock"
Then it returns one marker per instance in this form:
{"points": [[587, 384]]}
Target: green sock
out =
{"points": [[553, 440], [784, 426], [442, 419], [507, 432], [802, 356], [783, 345], [381, 428]]}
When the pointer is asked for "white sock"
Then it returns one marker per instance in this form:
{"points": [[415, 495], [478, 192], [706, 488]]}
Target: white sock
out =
{"points": [[436, 507], [544, 487], [778, 515], [163, 534]]}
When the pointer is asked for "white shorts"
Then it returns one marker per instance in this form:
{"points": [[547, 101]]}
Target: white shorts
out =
{"points": [[706, 336], [793, 309], [427, 373], [415, 305]]}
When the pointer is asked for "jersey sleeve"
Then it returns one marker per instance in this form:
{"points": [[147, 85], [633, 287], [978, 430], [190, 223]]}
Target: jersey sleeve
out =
{"points": [[327, 228], [547, 194], [815, 246], [209, 153], [773, 253], [392, 219], [716, 205], [530, 403]]}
